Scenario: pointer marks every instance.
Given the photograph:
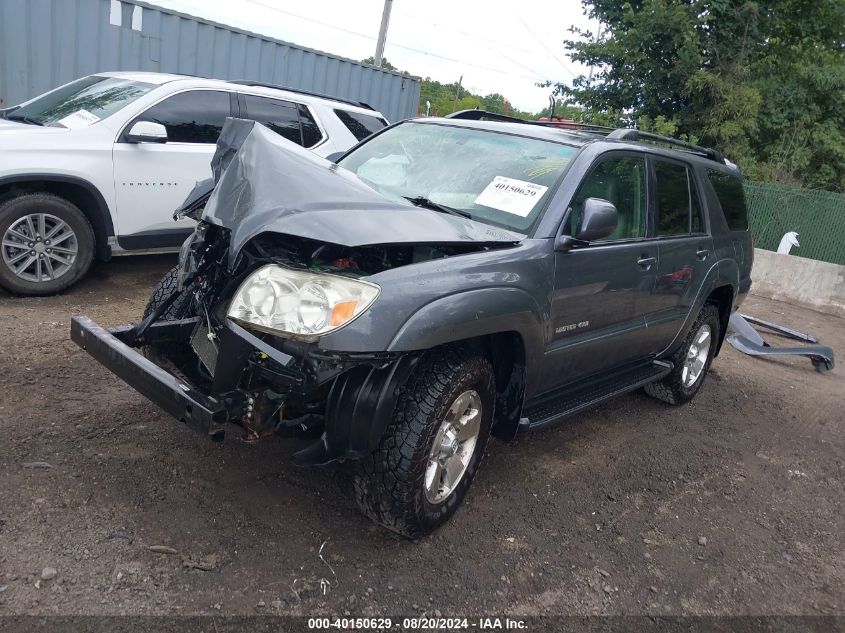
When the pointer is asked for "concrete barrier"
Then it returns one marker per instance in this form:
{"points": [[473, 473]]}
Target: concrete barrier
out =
{"points": [[804, 282]]}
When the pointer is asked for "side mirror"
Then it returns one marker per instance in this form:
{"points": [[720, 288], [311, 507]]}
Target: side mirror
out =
{"points": [[147, 132], [599, 218]]}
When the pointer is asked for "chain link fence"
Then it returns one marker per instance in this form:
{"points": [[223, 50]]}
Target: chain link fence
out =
{"points": [[817, 216]]}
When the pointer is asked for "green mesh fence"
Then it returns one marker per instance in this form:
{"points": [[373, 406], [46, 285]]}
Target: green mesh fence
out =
{"points": [[817, 216]]}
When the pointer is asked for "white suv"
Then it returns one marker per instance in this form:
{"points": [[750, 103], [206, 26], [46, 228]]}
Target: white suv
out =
{"points": [[97, 166]]}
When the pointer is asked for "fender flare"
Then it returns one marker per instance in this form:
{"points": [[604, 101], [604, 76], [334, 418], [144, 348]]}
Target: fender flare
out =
{"points": [[723, 273], [473, 313]]}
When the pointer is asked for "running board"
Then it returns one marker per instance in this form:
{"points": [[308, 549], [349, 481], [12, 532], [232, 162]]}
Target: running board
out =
{"points": [[576, 398]]}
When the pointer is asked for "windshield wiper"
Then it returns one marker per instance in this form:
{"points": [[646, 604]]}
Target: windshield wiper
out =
{"points": [[422, 201], [24, 119]]}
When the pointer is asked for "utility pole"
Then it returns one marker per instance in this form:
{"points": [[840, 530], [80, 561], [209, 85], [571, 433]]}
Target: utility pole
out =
{"points": [[382, 32], [458, 90]]}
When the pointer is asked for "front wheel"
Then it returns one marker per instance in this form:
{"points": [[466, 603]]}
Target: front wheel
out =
{"points": [[47, 244], [431, 450], [692, 360]]}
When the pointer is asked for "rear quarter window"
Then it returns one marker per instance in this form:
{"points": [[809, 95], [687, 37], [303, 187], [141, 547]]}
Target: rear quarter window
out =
{"points": [[731, 195], [361, 125]]}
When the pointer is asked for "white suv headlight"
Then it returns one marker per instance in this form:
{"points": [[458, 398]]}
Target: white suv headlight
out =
{"points": [[302, 304]]}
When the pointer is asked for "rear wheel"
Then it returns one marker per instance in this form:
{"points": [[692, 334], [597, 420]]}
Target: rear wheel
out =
{"points": [[47, 244], [430, 452], [691, 361]]}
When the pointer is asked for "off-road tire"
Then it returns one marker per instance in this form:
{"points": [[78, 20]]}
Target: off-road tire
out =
{"points": [[389, 484], [671, 388], [182, 308], [13, 209]]}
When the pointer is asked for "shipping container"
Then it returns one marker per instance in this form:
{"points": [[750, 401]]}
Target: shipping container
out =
{"points": [[46, 43]]}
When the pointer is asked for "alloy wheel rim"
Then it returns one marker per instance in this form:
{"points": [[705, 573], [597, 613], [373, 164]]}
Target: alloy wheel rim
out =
{"points": [[39, 247], [696, 358], [453, 447]]}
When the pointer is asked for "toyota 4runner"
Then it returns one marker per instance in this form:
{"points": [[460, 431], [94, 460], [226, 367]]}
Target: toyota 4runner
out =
{"points": [[446, 280]]}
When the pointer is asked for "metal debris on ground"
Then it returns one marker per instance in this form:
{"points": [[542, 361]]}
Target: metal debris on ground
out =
{"points": [[748, 341]]}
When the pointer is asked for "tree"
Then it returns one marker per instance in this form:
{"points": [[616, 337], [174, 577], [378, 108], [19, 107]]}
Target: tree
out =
{"points": [[371, 60], [762, 81]]}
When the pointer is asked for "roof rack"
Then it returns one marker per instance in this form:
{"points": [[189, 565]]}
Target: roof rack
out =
{"points": [[262, 84], [481, 115], [619, 134], [629, 134]]}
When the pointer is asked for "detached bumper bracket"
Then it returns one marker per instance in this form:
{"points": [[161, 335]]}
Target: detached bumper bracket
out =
{"points": [[200, 412]]}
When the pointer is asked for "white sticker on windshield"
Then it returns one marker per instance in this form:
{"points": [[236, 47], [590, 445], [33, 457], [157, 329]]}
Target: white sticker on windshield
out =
{"points": [[511, 195], [80, 118]]}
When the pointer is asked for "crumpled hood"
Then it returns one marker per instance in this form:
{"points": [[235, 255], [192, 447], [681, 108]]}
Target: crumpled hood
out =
{"points": [[265, 183]]}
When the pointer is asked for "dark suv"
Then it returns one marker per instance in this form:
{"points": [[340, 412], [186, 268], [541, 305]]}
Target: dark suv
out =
{"points": [[445, 280]]}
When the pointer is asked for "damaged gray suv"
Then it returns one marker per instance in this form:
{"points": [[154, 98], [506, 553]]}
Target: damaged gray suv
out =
{"points": [[446, 280]]}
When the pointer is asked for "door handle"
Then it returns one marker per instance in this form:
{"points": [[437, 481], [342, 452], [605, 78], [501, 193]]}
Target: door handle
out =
{"points": [[646, 262], [702, 253]]}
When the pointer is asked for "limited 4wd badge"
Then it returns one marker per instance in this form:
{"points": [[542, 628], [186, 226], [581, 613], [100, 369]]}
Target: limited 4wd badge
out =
{"points": [[511, 195], [563, 329]]}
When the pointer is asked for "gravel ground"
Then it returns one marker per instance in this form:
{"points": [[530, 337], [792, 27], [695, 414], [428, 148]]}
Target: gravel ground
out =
{"points": [[729, 505]]}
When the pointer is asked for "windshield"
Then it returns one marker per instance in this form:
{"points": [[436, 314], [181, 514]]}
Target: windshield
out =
{"points": [[81, 102], [495, 178]]}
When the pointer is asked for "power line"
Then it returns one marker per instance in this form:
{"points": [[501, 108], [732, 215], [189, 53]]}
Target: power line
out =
{"points": [[548, 50], [535, 76]]}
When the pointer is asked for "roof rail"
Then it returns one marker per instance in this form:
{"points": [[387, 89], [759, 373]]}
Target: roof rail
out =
{"points": [[479, 115], [619, 134], [629, 134], [262, 84]]}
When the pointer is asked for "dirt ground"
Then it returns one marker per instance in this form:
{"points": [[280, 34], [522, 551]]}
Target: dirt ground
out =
{"points": [[732, 504]]}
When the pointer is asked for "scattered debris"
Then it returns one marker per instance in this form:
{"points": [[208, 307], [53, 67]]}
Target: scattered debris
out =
{"points": [[603, 573], [206, 563], [162, 549], [702, 540], [37, 465], [295, 592], [48, 573], [748, 341], [510, 539], [653, 589]]}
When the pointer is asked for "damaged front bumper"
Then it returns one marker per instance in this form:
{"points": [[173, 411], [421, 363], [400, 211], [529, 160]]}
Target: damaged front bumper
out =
{"points": [[362, 388]]}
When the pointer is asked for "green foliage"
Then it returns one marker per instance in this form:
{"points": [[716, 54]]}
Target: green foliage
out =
{"points": [[762, 81], [448, 98]]}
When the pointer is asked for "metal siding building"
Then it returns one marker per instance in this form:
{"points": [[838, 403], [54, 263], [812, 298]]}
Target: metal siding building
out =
{"points": [[46, 43]]}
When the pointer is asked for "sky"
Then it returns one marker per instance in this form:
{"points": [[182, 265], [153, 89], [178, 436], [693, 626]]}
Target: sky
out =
{"points": [[496, 46]]}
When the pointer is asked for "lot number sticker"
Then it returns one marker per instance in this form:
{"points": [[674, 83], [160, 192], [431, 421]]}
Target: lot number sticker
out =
{"points": [[511, 195], [80, 118]]}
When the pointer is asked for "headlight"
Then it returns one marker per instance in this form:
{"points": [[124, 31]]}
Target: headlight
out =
{"points": [[302, 304]]}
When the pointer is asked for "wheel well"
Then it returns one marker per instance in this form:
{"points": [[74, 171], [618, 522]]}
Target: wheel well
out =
{"points": [[506, 352], [88, 200], [722, 297]]}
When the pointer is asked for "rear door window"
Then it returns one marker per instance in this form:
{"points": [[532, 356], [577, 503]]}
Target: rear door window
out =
{"points": [[196, 116], [311, 134], [361, 125], [676, 200], [731, 195], [280, 116]]}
